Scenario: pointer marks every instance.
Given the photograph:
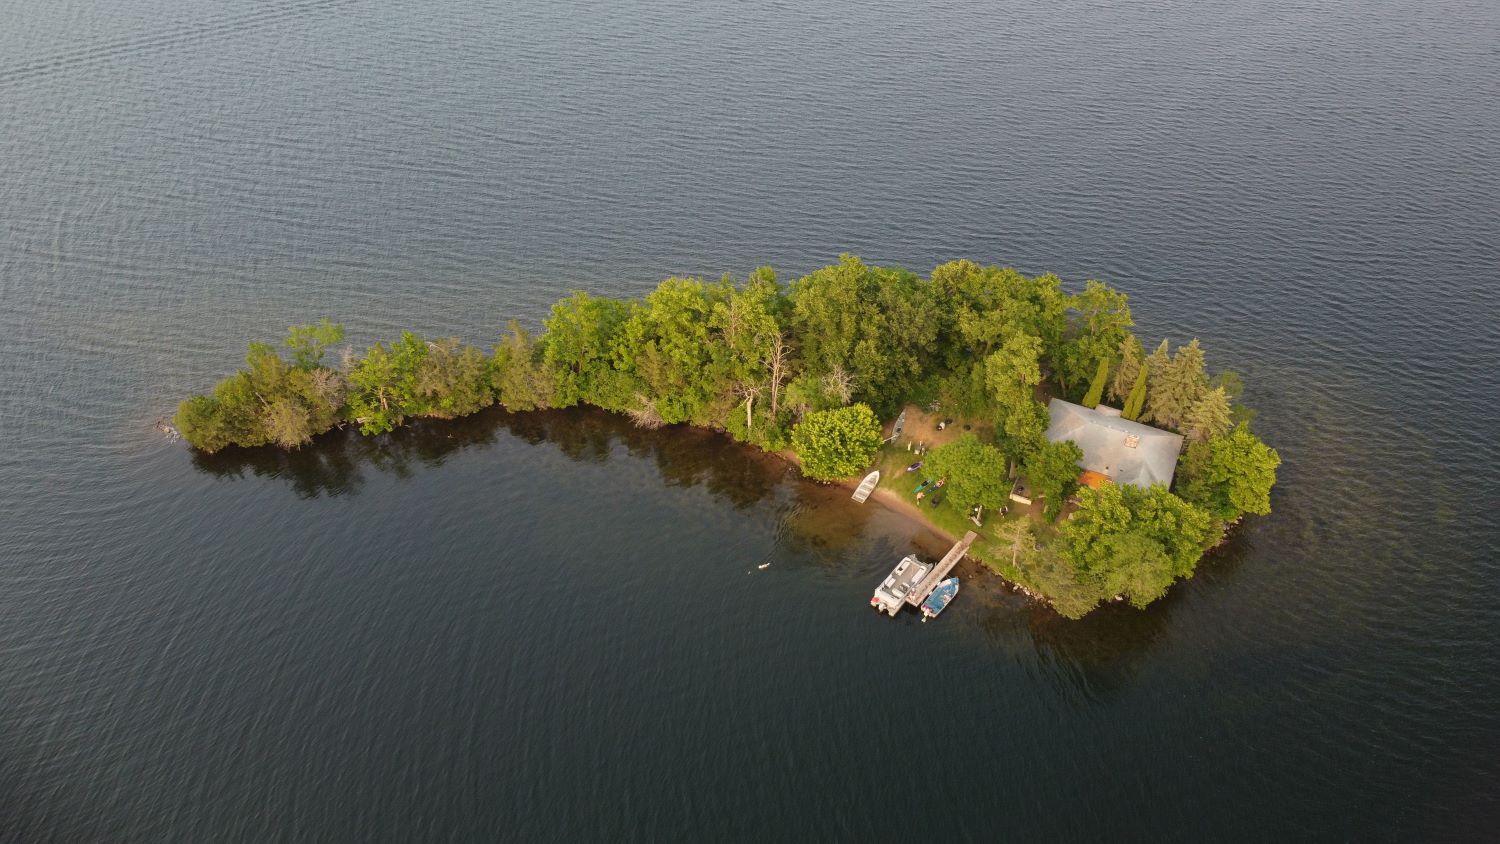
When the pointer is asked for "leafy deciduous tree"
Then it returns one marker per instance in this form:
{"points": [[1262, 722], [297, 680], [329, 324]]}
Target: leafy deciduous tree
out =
{"points": [[1134, 542], [1053, 472], [1012, 374], [1230, 475], [837, 443], [974, 472]]}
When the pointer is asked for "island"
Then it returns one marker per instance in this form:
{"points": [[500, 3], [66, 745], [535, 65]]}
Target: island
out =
{"points": [[1091, 471]]}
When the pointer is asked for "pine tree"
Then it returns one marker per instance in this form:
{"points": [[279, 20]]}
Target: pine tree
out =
{"points": [[1125, 373], [1173, 395], [1137, 398], [1190, 365], [1096, 387], [1158, 364], [1209, 417]]}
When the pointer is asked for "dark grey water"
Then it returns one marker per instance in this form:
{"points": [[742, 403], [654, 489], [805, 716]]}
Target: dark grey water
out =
{"points": [[547, 626]]}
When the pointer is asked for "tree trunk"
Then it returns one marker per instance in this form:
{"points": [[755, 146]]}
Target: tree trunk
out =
{"points": [[778, 364]]}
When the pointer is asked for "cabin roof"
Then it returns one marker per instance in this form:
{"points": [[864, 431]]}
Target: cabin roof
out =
{"points": [[1124, 451]]}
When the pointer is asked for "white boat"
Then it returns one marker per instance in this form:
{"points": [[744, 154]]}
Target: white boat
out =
{"points": [[867, 486], [892, 592]]}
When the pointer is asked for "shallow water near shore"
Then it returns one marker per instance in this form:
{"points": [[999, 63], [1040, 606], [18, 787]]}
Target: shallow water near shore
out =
{"points": [[553, 625]]}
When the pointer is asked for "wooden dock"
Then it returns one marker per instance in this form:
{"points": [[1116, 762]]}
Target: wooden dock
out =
{"points": [[922, 589]]}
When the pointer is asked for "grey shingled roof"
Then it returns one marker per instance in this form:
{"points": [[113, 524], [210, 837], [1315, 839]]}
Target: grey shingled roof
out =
{"points": [[1103, 436]]}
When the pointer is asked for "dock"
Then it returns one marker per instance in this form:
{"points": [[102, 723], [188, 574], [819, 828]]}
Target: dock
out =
{"points": [[913, 580], [924, 587]]}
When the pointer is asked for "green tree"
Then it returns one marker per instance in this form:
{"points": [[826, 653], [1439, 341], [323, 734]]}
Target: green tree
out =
{"points": [[578, 347], [1096, 387], [1012, 374], [518, 378], [878, 327], [1231, 382], [202, 422], [1210, 416], [453, 380], [1051, 573], [974, 472], [1157, 365], [1137, 399], [384, 384], [837, 443], [308, 342], [1128, 370], [1101, 324], [1171, 395], [750, 353], [667, 346], [1053, 471], [272, 401], [1134, 542], [1230, 475], [1016, 538]]}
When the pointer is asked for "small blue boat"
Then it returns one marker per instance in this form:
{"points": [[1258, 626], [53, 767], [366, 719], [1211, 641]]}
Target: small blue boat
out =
{"points": [[941, 596]]}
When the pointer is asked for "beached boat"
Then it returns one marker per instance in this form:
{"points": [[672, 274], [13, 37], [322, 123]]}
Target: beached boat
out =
{"points": [[867, 486], [941, 596]]}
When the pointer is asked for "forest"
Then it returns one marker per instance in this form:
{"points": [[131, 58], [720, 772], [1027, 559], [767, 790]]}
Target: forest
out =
{"points": [[811, 368]]}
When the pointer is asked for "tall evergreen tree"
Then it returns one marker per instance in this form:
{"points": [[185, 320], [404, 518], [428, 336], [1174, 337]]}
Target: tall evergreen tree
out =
{"points": [[1156, 365], [1137, 399], [1096, 387], [1209, 417], [1172, 394], [1125, 373]]}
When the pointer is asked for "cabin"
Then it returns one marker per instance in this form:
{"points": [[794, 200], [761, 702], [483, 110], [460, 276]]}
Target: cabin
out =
{"points": [[1113, 447]]}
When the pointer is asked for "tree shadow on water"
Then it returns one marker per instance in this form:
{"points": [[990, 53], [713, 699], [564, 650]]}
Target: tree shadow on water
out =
{"points": [[334, 463], [337, 463], [1101, 656], [1097, 658]]}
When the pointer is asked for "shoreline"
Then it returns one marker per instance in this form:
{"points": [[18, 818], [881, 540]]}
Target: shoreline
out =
{"points": [[969, 567]]}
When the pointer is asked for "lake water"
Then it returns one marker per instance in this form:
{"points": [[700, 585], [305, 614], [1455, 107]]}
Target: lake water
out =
{"points": [[552, 626]]}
